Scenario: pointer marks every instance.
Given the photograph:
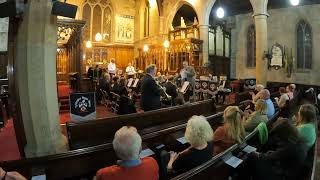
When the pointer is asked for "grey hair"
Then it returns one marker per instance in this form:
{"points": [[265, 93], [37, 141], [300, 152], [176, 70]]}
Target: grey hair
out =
{"points": [[151, 68], [198, 131], [127, 143]]}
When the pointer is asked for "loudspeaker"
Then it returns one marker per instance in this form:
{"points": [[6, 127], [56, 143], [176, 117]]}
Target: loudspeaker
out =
{"points": [[8, 9], [64, 9]]}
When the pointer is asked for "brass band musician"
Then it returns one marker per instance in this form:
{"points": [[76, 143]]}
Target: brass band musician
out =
{"points": [[188, 73], [150, 92]]}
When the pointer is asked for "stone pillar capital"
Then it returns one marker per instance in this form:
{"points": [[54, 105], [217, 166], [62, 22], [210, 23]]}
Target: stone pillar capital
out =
{"points": [[204, 26], [260, 7]]}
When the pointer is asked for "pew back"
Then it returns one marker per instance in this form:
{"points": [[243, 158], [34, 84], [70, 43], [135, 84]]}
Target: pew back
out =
{"points": [[102, 131]]}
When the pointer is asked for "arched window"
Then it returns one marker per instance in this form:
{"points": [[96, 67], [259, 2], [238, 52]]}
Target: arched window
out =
{"points": [[251, 47], [86, 17], [146, 19], [101, 22], [304, 45]]}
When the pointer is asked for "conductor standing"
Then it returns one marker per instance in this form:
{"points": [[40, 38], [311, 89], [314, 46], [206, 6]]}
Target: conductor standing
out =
{"points": [[150, 92], [188, 73]]}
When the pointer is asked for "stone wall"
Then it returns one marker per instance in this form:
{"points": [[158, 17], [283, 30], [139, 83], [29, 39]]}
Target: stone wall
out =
{"points": [[281, 29]]}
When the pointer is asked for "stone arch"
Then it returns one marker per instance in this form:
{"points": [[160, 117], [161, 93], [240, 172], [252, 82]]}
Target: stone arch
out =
{"points": [[208, 11], [172, 14]]}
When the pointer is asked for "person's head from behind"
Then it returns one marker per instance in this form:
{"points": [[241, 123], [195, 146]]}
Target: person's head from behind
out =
{"points": [[307, 114], [97, 66], [112, 60], [151, 70], [115, 79], [185, 64], [170, 78], [265, 94], [158, 74], [107, 76], [198, 131], [259, 87], [285, 131], [292, 87], [282, 90], [233, 124], [129, 64], [261, 106], [127, 143], [123, 82]]}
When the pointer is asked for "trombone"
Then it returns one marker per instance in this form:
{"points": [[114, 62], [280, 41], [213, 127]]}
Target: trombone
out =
{"points": [[166, 97]]}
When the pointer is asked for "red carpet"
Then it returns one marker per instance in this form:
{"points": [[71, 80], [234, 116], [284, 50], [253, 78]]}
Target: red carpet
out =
{"points": [[102, 112], [9, 148]]}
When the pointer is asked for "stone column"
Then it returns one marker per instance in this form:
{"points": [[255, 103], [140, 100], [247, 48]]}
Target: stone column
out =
{"points": [[161, 18], [260, 18], [204, 35], [36, 79]]}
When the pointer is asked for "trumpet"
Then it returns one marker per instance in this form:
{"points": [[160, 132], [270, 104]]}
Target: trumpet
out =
{"points": [[165, 96]]}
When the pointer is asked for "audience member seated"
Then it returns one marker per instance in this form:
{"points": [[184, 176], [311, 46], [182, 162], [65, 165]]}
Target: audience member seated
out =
{"points": [[306, 124], [265, 95], [10, 175], [171, 89], [258, 116], [284, 97], [285, 158], [290, 90], [256, 94], [231, 132], [199, 135], [127, 145]]}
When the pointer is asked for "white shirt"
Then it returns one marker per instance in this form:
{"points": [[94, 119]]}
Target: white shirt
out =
{"points": [[183, 74], [112, 68], [130, 70]]}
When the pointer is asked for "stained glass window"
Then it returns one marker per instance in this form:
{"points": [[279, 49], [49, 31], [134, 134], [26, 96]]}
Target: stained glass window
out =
{"points": [[304, 45], [251, 47]]}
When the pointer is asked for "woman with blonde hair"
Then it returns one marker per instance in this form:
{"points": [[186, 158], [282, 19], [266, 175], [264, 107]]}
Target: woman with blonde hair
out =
{"points": [[258, 116], [231, 132]]}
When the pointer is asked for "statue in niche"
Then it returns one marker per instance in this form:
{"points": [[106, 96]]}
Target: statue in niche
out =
{"points": [[182, 23], [195, 21]]}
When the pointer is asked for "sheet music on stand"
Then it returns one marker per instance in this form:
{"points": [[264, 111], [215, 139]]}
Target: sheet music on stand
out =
{"points": [[130, 82], [135, 83], [184, 87]]}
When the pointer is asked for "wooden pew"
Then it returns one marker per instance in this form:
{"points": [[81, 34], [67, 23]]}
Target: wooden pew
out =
{"points": [[85, 162], [101, 131], [216, 168]]}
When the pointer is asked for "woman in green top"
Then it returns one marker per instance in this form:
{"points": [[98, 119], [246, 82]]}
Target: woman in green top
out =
{"points": [[306, 124], [258, 116]]}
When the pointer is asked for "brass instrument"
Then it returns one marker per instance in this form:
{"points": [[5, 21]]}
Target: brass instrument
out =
{"points": [[165, 96]]}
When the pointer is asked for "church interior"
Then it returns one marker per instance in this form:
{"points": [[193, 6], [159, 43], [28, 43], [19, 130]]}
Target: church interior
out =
{"points": [[159, 89]]}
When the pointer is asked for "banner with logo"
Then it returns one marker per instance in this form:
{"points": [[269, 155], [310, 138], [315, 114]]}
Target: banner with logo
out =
{"points": [[82, 106]]}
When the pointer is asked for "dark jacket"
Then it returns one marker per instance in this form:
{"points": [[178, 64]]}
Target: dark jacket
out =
{"points": [[171, 90], [150, 94]]}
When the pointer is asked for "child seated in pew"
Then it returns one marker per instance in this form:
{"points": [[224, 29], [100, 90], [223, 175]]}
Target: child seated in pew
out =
{"points": [[199, 134], [284, 157], [306, 124], [252, 120], [127, 145], [231, 132]]}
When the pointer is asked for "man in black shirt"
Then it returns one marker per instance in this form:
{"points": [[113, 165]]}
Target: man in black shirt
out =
{"points": [[150, 92]]}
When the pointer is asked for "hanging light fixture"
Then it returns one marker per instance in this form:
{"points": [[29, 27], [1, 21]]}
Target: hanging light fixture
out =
{"points": [[295, 2], [98, 37], [145, 48], [220, 11], [88, 44], [166, 44]]}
